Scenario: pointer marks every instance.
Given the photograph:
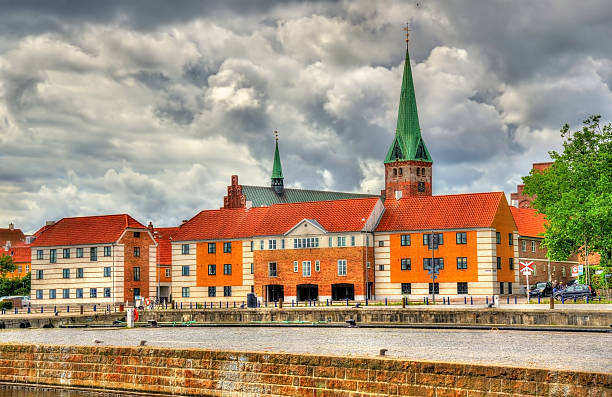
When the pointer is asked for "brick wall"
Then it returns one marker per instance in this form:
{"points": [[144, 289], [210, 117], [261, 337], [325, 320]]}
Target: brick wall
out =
{"points": [[560, 271], [204, 372], [131, 261], [407, 180]]}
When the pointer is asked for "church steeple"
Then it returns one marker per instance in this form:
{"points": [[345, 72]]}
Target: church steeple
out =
{"points": [[408, 143], [408, 165], [277, 170]]}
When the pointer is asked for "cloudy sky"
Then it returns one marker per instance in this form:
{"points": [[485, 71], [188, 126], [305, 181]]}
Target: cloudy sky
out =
{"points": [[148, 107]]}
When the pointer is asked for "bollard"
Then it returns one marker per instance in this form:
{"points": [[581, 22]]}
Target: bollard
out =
{"points": [[562, 300], [465, 300], [234, 304], [444, 300], [507, 300], [67, 309], [30, 311], [2, 310], [16, 311], [471, 300], [292, 302], [347, 301], [487, 300], [327, 301], [190, 305], [226, 304], [41, 309], [366, 301], [94, 308], [219, 305], [427, 300], [515, 300], [539, 299], [166, 305], [385, 301], [181, 305], [274, 303], [574, 299], [423, 299], [404, 302], [587, 300], [81, 310]]}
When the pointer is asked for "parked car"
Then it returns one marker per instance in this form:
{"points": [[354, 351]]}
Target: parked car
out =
{"points": [[541, 289], [578, 291]]}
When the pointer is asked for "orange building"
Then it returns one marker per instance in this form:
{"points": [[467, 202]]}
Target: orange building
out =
{"points": [[474, 250], [163, 237], [13, 244]]}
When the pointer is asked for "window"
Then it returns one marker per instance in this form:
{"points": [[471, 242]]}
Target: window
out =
{"points": [[79, 253], [438, 263], [212, 248], [400, 170], [406, 265], [404, 240], [79, 272], [498, 237], [352, 241], [306, 268], [283, 243], [136, 273], [535, 270], [66, 293], [317, 266], [511, 263], [330, 242], [185, 270], [421, 186], [461, 238], [39, 274], [93, 254], [462, 288], [261, 244], [271, 244], [418, 171], [66, 253], [533, 246], [227, 291], [107, 271], [227, 247], [136, 234], [136, 251], [107, 251], [381, 267], [66, 273], [185, 249], [510, 239], [309, 242], [562, 271], [434, 288], [212, 292], [524, 245], [93, 292], [501, 288], [406, 288], [295, 266], [252, 268], [461, 263], [212, 270], [52, 256], [341, 267], [185, 292], [167, 272], [438, 239], [107, 292], [395, 172], [341, 241], [79, 293], [252, 246], [509, 288], [227, 268], [19, 268], [499, 262], [39, 294], [381, 243], [52, 294], [39, 254], [272, 269]]}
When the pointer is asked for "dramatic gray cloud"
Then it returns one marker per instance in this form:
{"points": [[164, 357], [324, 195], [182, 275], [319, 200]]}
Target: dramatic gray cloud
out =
{"points": [[148, 107]]}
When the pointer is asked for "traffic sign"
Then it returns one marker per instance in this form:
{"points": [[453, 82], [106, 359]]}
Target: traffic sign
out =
{"points": [[574, 271], [526, 271], [526, 265]]}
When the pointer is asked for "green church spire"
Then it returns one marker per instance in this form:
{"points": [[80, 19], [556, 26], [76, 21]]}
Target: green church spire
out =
{"points": [[408, 143], [277, 170]]}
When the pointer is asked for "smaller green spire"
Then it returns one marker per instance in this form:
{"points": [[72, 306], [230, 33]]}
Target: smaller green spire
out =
{"points": [[277, 169]]}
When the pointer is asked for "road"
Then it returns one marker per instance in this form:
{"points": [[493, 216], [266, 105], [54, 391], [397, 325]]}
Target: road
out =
{"points": [[554, 350]]}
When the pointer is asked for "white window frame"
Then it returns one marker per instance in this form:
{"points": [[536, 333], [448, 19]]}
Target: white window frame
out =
{"points": [[342, 267], [296, 266], [533, 246], [271, 244], [317, 266], [341, 241], [306, 269]]}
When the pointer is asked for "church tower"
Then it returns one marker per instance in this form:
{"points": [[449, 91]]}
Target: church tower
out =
{"points": [[408, 165], [277, 171]]}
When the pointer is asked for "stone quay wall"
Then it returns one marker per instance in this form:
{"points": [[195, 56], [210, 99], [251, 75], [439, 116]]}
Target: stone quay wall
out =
{"points": [[225, 373]]}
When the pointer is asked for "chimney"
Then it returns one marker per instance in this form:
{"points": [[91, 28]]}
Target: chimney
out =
{"points": [[150, 227], [398, 194], [49, 223], [11, 226]]}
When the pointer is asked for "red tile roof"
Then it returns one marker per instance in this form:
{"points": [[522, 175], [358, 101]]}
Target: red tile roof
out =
{"points": [[12, 235], [277, 219], [21, 253], [101, 229], [163, 236], [456, 211], [529, 222]]}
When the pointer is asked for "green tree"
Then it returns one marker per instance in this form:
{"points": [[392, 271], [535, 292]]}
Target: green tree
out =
{"points": [[6, 265], [575, 193]]}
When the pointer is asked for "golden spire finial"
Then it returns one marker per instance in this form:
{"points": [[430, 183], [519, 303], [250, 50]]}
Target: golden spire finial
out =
{"points": [[407, 29], [276, 135]]}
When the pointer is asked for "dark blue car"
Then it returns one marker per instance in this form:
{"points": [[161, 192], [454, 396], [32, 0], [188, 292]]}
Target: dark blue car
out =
{"points": [[578, 291]]}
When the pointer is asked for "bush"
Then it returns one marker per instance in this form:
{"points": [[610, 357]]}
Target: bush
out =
{"points": [[6, 305]]}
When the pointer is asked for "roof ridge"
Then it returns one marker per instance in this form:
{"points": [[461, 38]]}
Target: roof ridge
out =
{"points": [[450, 195]]}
